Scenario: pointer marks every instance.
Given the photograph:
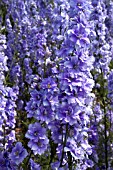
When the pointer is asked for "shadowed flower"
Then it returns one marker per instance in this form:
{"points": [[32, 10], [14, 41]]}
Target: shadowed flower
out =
{"points": [[18, 153], [34, 166]]}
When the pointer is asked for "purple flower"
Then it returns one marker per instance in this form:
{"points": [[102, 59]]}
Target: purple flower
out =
{"points": [[38, 140], [38, 146], [18, 153], [44, 114], [3, 161], [31, 108], [34, 166], [48, 83], [79, 35], [35, 131]]}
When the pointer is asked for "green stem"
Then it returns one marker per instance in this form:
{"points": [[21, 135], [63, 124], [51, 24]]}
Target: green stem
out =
{"points": [[106, 140], [70, 160], [27, 162], [64, 144], [105, 121]]}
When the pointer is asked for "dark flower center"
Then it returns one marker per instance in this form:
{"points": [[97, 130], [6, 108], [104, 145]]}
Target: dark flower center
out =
{"points": [[17, 153]]}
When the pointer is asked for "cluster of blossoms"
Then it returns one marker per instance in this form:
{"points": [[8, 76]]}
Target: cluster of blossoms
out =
{"points": [[102, 50], [56, 85]]}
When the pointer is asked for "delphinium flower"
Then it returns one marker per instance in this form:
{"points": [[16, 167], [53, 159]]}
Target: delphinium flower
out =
{"points": [[16, 43], [28, 50], [38, 139], [8, 113], [44, 96], [20, 37], [100, 46], [18, 153], [73, 96], [41, 104], [66, 91], [102, 50], [109, 33], [71, 93], [9, 94], [3, 67], [12, 159], [8, 98], [109, 19], [66, 82], [25, 51], [4, 161], [94, 134], [14, 75]]}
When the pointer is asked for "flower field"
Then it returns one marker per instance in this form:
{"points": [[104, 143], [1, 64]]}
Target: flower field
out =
{"points": [[56, 85]]}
